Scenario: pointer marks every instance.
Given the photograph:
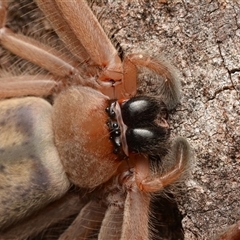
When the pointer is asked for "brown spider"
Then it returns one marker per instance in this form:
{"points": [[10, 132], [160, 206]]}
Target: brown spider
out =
{"points": [[45, 148]]}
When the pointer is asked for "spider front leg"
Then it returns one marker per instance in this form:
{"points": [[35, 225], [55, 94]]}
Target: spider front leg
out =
{"points": [[169, 85], [87, 221], [58, 64], [139, 186], [180, 154], [40, 85], [130, 193], [53, 213]]}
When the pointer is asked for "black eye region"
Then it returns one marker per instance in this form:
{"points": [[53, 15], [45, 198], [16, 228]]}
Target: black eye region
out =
{"points": [[141, 109], [134, 125]]}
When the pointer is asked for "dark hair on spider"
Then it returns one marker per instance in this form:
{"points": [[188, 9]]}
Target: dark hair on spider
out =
{"points": [[133, 125]]}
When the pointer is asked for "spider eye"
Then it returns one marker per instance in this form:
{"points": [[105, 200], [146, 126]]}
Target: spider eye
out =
{"points": [[139, 110], [146, 140]]}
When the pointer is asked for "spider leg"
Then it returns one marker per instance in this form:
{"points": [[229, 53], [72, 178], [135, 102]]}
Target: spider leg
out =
{"points": [[89, 32], [106, 213], [63, 30], [169, 85], [88, 220], [181, 153], [127, 214], [136, 212], [40, 85], [111, 227], [38, 54], [128, 88], [139, 186], [61, 209], [44, 56]]}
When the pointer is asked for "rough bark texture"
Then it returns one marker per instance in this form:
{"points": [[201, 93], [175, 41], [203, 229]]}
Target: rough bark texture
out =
{"points": [[202, 39]]}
